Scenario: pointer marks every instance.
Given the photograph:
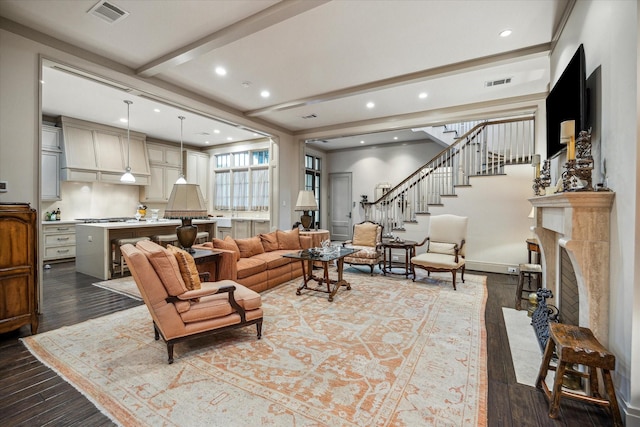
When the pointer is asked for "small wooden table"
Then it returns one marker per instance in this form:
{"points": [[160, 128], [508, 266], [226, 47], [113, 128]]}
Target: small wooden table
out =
{"points": [[533, 248], [409, 247], [309, 258], [317, 236], [205, 260]]}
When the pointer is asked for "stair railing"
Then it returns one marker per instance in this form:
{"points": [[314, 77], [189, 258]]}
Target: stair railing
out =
{"points": [[483, 150]]}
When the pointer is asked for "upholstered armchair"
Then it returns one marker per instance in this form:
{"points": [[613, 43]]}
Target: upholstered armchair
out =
{"points": [[445, 246], [183, 307], [367, 238]]}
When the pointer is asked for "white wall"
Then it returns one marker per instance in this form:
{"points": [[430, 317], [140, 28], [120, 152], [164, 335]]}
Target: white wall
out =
{"points": [[609, 32]]}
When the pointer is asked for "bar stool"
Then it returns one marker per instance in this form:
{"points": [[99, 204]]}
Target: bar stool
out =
{"points": [[576, 345], [118, 259], [202, 237], [165, 239], [528, 271]]}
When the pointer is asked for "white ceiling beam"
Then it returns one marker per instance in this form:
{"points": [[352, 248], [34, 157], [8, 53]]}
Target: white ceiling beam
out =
{"points": [[273, 15], [418, 76]]}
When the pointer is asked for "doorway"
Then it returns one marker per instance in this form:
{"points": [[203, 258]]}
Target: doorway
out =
{"points": [[340, 206]]}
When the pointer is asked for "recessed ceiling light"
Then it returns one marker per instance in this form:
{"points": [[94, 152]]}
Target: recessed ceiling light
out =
{"points": [[221, 71], [42, 81], [265, 94], [229, 138], [395, 137], [206, 142], [361, 142], [505, 33], [370, 105], [123, 120], [157, 110], [423, 95], [216, 131]]}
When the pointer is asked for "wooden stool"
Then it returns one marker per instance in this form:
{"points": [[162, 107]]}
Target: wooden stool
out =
{"points": [[528, 271], [118, 259], [576, 345], [166, 239]]}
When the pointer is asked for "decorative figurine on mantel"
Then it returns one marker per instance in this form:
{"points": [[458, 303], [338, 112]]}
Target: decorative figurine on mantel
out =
{"points": [[543, 178], [579, 167]]}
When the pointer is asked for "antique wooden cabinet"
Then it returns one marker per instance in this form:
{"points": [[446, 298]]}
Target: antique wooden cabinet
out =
{"points": [[18, 261]]}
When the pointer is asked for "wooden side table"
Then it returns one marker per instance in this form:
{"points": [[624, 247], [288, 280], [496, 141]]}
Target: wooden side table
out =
{"points": [[317, 236], [208, 262], [409, 247], [533, 248]]}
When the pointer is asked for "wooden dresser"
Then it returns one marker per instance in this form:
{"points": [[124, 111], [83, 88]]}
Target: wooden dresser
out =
{"points": [[18, 267]]}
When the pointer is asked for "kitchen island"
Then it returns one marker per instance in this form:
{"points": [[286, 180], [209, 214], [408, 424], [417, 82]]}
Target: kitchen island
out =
{"points": [[93, 240]]}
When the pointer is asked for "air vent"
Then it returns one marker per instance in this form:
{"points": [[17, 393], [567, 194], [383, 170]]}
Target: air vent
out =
{"points": [[108, 12], [498, 82], [309, 116]]}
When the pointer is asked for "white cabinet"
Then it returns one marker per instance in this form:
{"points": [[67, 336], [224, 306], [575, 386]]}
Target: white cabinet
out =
{"points": [[59, 241], [197, 171], [165, 170], [223, 232], [241, 228], [50, 178], [260, 226]]}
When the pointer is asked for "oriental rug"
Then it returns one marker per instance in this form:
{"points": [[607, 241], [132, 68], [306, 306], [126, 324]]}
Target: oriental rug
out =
{"points": [[388, 352]]}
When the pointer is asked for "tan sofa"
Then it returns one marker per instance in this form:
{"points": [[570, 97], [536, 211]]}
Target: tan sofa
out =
{"points": [[256, 262]]}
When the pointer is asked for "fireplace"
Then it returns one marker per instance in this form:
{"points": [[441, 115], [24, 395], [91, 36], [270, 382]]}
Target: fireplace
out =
{"points": [[573, 230]]}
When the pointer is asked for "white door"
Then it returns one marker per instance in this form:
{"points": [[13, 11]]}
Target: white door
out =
{"points": [[340, 206]]}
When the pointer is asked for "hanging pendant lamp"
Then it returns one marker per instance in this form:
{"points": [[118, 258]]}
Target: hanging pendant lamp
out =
{"points": [[181, 180], [128, 177]]}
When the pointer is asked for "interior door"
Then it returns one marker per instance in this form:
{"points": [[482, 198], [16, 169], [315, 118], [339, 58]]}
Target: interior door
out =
{"points": [[340, 206]]}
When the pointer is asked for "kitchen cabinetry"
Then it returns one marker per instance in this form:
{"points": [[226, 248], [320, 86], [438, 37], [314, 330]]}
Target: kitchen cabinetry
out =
{"points": [[18, 263], [198, 171], [50, 155], [59, 241], [241, 228], [224, 232], [165, 170], [260, 226], [94, 152]]}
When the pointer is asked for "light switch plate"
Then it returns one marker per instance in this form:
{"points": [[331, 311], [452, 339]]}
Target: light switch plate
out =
{"points": [[4, 186]]}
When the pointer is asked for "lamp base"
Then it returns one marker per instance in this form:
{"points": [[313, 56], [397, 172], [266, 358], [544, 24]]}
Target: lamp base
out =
{"points": [[187, 235], [306, 220]]}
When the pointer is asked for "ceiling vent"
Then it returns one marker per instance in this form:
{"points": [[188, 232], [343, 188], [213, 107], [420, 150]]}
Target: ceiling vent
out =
{"points": [[310, 116], [498, 82], [108, 12]]}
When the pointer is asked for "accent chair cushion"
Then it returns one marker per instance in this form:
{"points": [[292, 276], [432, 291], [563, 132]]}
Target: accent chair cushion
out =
{"points": [[188, 269], [365, 234], [269, 241], [440, 261], [249, 247], [229, 244], [288, 239], [165, 265], [442, 248]]}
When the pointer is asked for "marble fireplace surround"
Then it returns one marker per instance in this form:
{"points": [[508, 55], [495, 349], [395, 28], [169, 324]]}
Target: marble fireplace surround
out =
{"points": [[579, 223]]}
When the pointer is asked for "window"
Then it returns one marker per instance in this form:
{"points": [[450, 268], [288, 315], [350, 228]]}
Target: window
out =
{"points": [[242, 181], [312, 176]]}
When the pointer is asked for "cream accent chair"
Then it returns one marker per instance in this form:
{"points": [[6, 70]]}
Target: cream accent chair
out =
{"points": [[180, 314], [367, 238], [445, 246]]}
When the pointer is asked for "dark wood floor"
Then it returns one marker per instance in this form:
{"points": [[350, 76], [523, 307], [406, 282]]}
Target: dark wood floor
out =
{"points": [[33, 395]]}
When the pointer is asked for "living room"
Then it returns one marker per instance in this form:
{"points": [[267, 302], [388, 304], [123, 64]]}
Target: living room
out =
{"points": [[597, 25]]}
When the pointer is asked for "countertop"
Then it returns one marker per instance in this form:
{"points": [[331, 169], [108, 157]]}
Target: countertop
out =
{"points": [[141, 224], [62, 221]]}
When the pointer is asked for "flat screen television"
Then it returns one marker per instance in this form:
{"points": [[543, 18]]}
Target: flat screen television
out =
{"points": [[567, 101]]}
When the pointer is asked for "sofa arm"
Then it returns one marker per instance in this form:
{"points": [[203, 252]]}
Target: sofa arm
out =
{"points": [[228, 264]]}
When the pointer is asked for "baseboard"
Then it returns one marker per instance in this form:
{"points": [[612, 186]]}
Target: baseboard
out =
{"points": [[630, 415], [490, 267]]}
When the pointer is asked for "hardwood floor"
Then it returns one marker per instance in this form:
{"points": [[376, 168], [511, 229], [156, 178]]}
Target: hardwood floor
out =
{"points": [[33, 395]]}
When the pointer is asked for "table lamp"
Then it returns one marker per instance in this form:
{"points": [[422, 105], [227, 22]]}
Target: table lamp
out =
{"points": [[307, 204], [186, 203]]}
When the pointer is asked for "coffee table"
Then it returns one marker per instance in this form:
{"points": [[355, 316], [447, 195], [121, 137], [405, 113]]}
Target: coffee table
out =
{"points": [[308, 258]]}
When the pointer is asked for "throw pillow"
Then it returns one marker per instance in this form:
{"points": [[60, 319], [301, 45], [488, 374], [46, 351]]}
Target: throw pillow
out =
{"points": [[165, 265], [187, 266], [288, 239], [442, 248], [228, 244], [269, 241], [250, 246], [365, 234]]}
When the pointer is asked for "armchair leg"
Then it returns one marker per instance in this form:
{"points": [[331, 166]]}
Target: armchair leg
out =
{"points": [[170, 352], [371, 269], [155, 331], [454, 279], [462, 273], [259, 328]]}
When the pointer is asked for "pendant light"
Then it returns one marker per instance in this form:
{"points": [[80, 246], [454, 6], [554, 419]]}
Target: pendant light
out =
{"points": [[128, 177], [181, 180]]}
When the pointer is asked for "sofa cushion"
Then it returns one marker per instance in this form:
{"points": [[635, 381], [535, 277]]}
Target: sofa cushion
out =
{"points": [[249, 247], [269, 241], [250, 266], [228, 243], [274, 259], [365, 234], [288, 239], [442, 248], [165, 265], [187, 265]]}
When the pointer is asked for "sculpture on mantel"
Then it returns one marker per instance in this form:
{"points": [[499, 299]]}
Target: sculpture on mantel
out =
{"points": [[541, 183], [577, 176]]}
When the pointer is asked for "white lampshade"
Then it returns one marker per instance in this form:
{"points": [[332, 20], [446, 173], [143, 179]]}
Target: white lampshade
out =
{"points": [[567, 130], [306, 201]]}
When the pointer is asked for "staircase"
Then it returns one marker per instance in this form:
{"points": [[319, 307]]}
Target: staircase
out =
{"points": [[485, 149]]}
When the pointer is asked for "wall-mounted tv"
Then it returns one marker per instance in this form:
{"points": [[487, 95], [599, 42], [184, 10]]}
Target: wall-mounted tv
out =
{"points": [[567, 101]]}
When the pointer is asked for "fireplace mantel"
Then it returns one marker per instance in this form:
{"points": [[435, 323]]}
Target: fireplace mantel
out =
{"points": [[578, 222]]}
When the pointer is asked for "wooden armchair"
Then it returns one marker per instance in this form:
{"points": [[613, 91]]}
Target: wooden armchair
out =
{"points": [[445, 246], [182, 307], [367, 238]]}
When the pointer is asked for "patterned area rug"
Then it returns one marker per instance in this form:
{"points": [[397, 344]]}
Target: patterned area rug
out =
{"points": [[123, 285], [388, 352]]}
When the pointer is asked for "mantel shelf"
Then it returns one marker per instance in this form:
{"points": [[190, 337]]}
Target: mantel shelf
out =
{"points": [[582, 199]]}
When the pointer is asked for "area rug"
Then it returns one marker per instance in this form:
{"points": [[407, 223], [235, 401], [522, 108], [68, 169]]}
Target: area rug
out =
{"points": [[122, 285], [388, 352]]}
